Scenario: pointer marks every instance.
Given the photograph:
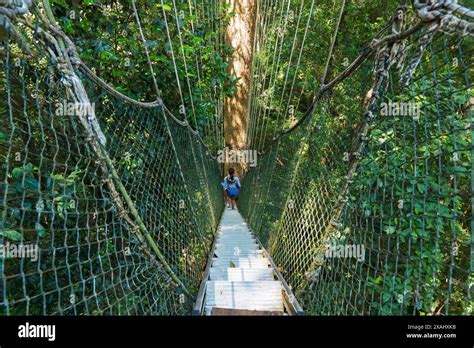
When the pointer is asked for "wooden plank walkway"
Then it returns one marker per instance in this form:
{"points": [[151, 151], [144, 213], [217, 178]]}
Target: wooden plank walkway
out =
{"points": [[241, 277]]}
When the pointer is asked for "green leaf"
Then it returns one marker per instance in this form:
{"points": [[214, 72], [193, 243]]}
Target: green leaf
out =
{"points": [[11, 234], [17, 173], [165, 7], [390, 229], [421, 188], [31, 183]]}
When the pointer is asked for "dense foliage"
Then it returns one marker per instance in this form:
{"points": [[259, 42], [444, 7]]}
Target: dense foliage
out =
{"points": [[408, 202], [185, 41]]}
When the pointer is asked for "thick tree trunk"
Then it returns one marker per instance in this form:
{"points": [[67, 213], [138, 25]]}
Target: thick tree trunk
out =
{"points": [[239, 35]]}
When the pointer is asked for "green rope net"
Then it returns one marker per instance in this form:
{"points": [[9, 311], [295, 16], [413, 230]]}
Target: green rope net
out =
{"points": [[91, 214], [366, 208]]}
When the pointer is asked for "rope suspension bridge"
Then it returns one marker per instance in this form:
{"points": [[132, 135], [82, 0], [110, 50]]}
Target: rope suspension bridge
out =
{"points": [[115, 195]]}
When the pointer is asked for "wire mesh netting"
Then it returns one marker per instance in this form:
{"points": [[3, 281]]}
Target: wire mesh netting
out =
{"points": [[72, 243], [366, 207]]}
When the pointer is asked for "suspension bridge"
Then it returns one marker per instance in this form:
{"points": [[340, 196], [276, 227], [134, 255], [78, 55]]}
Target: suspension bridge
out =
{"points": [[111, 201]]}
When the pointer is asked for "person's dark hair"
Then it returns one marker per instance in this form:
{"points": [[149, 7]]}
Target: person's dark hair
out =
{"points": [[231, 171]]}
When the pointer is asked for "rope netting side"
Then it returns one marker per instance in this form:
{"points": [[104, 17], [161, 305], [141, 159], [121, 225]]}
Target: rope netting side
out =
{"points": [[55, 199], [366, 207], [176, 201], [108, 204]]}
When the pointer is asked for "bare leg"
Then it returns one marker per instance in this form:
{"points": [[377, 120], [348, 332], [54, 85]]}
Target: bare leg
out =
{"points": [[226, 199], [232, 200]]}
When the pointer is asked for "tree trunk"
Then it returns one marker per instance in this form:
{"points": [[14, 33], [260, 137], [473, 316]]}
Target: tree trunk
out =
{"points": [[239, 35]]}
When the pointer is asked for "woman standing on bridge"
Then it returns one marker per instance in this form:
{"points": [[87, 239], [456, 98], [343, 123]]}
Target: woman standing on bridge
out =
{"points": [[231, 187]]}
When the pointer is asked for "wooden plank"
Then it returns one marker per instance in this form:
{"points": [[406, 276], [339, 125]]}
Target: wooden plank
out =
{"points": [[231, 312], [251, 295], [241, 274], [241, 262], [238, 253]]}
